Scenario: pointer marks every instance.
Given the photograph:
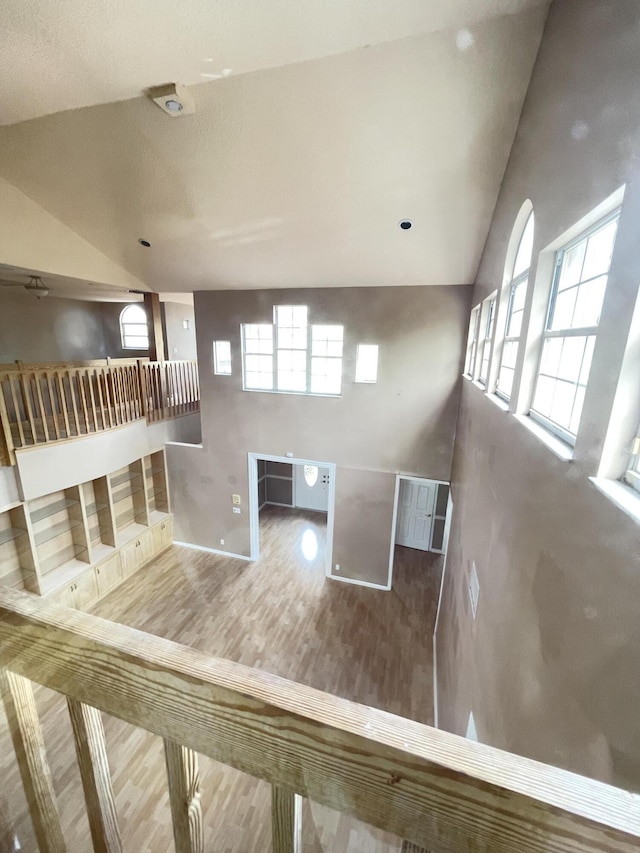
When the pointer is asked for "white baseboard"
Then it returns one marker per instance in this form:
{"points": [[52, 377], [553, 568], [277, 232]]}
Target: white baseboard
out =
{"points": [[359, 583], [213, 551]]}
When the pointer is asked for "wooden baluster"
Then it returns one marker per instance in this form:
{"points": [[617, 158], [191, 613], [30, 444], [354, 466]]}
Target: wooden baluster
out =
{"points": [[408, 847], [26, 733], [286, 820], [142, 389], [51, 391], [26, 404], [157, 382], [90, 377], [63, 403], [184, 795], [96, 780], [99, 373], [72, 394], [16, 409], [115, 393], [108, 401], [6, 426], [80, 375], [43, 410]]}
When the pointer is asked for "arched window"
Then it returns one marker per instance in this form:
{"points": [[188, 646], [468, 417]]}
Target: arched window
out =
{"points": [[133, 327], [515, 306]]}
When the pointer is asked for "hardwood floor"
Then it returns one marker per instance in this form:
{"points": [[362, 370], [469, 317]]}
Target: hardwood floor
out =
{"points": [[279, 614]]}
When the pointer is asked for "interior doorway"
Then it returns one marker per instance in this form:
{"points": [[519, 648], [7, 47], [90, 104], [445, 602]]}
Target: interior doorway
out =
{"points": [[421, 520], [292, 491]]}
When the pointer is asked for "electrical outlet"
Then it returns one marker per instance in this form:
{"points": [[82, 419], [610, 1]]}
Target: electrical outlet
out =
{"points": [[289, 455], [474, 589], [337, 567], [236, 509], [222, 541]]}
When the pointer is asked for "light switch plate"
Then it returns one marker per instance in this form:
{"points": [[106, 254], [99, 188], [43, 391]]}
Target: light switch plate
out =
{"points": [[236, 509], [236, 499]]}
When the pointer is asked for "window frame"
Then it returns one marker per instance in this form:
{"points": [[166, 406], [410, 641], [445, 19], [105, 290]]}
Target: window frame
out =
{"points": [[472, 342], [516, 282], [632, 474], [124, 323], [550, 426], [308, 351], [488, 315], [217, 361]]}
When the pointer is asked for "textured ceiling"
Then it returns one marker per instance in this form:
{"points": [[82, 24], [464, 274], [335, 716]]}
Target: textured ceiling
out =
{"points": [[63, 54], [292, 176]]}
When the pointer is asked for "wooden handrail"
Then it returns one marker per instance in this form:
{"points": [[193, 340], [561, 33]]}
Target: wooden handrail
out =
{"points": [[43, 403], [437, 791]]}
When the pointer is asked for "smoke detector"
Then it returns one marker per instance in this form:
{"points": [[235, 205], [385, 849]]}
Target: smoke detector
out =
{"points": [[173, 99]]}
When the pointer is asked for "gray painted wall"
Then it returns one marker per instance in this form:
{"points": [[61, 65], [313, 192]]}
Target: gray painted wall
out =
{"points": [[181, 342], [551, 665], [49, 329], [405, 422]]}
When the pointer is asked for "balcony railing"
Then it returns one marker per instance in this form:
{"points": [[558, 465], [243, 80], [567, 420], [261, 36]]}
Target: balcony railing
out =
{"points": [[43, 403], [438, 791]]}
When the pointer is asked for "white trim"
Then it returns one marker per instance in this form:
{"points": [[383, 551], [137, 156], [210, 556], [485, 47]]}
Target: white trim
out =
{"points": [[559, 448], [359, 583], [394, 520], [436, 709], [624, 497], [275, 503], [254, 519], [212, 550]]}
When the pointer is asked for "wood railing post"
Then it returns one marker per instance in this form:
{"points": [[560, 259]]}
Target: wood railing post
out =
{"points": [[184, 796], [26, 734], [286, 820], [5, 424], [88, 733]]}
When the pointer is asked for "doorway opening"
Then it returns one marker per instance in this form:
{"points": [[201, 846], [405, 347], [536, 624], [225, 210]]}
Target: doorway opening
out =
{"points": [[421, 521], [291, 503]]}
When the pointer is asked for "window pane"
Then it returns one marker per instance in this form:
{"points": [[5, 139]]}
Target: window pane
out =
{"points": [[562, 405], [543, 399], [367, 363], [551, 353], [523, 257], [572, 266], [222, 357], [589, 303], [292, 380], [505, 380], [571, 359], [563, 309], [599, 250], [259, 381], [136, 342]]}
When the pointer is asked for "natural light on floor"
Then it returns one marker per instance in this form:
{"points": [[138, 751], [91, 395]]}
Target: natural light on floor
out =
{"points": [[309, 544]]}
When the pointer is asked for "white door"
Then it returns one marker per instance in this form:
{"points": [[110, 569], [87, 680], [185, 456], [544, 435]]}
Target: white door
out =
{"points": [[312, 487], [415, 514]]}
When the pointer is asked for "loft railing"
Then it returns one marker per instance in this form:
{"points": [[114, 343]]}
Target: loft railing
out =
{"points": [[43, 403], [171, 388], [439, 792]]}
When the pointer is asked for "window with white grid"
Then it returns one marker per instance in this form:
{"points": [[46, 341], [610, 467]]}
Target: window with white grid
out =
{"points": [[580, 280], [488, 321], [292, 356], [133, 327], [291, 347], [257, 356], [472, 343], [515, 312], [326, 359]]}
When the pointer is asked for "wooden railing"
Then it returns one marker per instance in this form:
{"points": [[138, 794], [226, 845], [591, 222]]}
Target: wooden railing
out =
{"points": [[437, 791], [171, 388], [40, 404]]}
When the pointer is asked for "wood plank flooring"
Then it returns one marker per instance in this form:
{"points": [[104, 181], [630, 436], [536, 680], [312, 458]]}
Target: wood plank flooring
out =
{"points": [[279, 614]]}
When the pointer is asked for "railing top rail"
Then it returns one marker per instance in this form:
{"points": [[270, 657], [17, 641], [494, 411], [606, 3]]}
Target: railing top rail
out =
{"points": [[67, 365], [430, 787]]}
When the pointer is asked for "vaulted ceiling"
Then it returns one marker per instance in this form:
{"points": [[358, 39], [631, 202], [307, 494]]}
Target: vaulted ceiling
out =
{"points": [[319, 125]]}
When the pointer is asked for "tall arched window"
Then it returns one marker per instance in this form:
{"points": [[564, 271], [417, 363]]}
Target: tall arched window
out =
{"points": [[515, 310], [133, 327]]}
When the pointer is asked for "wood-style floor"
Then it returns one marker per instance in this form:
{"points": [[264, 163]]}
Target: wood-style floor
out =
{"points": [[279, 614]]}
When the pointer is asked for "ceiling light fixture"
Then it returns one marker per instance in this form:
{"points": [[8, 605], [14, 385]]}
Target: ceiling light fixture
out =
{"points": [[173, 99], [36, 287], [405, 224]]}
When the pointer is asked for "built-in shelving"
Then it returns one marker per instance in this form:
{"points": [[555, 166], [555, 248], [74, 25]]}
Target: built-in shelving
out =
{"points": [[49, 543]]}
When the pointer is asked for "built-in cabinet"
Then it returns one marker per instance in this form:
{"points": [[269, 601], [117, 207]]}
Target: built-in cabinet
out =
{"points": [[76, 545]]}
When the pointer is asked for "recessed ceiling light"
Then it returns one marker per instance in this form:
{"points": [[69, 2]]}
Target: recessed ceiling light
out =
{"points": [[405, 224], [173, 99], [144, 243], [173, 106]]}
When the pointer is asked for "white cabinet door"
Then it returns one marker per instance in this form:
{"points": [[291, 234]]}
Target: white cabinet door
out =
{"points": [[415, 514], [312, 487]]}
